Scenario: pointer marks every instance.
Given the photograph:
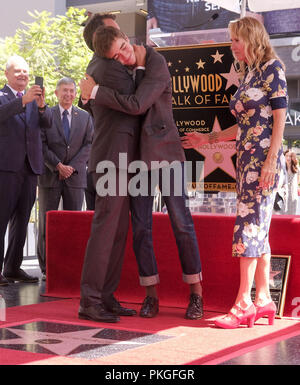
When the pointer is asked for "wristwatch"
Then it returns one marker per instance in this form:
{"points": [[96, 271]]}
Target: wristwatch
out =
{"points": [[42, 109]]}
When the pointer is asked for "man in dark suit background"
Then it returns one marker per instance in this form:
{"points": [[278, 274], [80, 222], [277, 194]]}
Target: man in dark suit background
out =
{"points": [[66, 149], [159, 141], [115, 133], [22, 115]]}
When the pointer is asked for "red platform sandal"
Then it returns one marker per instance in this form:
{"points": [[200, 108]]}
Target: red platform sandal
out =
{"points": [[268, 310], [242, 317]]}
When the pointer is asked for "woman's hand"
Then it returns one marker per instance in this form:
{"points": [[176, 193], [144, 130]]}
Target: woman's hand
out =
{"points": [[268, 173], [194, 139]]}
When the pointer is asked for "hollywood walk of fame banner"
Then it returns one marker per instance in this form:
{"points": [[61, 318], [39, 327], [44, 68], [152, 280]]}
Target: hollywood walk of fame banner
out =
{"points": [[203, 81], [279, 273]]}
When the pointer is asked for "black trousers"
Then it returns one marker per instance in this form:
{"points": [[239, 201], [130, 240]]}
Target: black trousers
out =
{"points": [[17, 197]]}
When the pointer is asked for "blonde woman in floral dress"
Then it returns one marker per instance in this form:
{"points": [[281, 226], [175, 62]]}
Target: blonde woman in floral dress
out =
{"points": [[259, 106]]}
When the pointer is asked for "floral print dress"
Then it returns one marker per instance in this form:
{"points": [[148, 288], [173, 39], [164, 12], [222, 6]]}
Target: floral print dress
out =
{"points": [[252, 105]]}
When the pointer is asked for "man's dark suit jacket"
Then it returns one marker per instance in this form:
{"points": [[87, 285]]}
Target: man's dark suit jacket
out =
{"points": [[153, 98], [74, 153], [115, 132], [20, 133]]}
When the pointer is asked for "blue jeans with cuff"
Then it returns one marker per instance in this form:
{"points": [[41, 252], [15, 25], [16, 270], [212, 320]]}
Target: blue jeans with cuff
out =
{"points": [[182, 225]]}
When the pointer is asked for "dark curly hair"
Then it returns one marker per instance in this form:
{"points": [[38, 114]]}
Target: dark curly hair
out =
{"points": [[103, 39], [93, 23]]}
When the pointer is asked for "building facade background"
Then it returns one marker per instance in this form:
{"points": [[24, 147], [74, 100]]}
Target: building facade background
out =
{"points": [[15, 12]]}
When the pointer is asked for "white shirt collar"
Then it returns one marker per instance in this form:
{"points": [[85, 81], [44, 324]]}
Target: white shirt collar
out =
{"points": [[61, 109], [14, 91]]}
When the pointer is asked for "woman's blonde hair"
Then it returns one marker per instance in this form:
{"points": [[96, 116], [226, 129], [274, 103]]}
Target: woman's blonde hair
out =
{"points": [[258, 48]]}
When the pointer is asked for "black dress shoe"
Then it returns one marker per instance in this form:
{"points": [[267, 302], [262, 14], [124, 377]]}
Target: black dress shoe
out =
{"points": [[195, 308], [3, 281], [97, 313], [149, 307], [20, 276], [115, 307]]}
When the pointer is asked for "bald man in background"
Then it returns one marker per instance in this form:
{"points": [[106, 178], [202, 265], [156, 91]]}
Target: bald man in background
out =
{"points": [[22, 115]]}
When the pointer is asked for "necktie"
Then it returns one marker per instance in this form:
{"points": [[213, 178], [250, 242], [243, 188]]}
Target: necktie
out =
{"points": [[19, 95], [66, 125]]}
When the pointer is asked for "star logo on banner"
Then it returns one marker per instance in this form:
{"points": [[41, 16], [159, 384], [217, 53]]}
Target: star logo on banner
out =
{"points": [[187, 69], [231, 77], [218, 155], [217, 57], [273, 274], [200, 64], [169, 64]]}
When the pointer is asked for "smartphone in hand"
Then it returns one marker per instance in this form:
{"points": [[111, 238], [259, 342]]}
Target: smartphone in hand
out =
{"points": [[39, 81]]}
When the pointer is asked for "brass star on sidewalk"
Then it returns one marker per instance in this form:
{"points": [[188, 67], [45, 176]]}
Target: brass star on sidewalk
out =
{"points": [[60, 343], [72, 340]]}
